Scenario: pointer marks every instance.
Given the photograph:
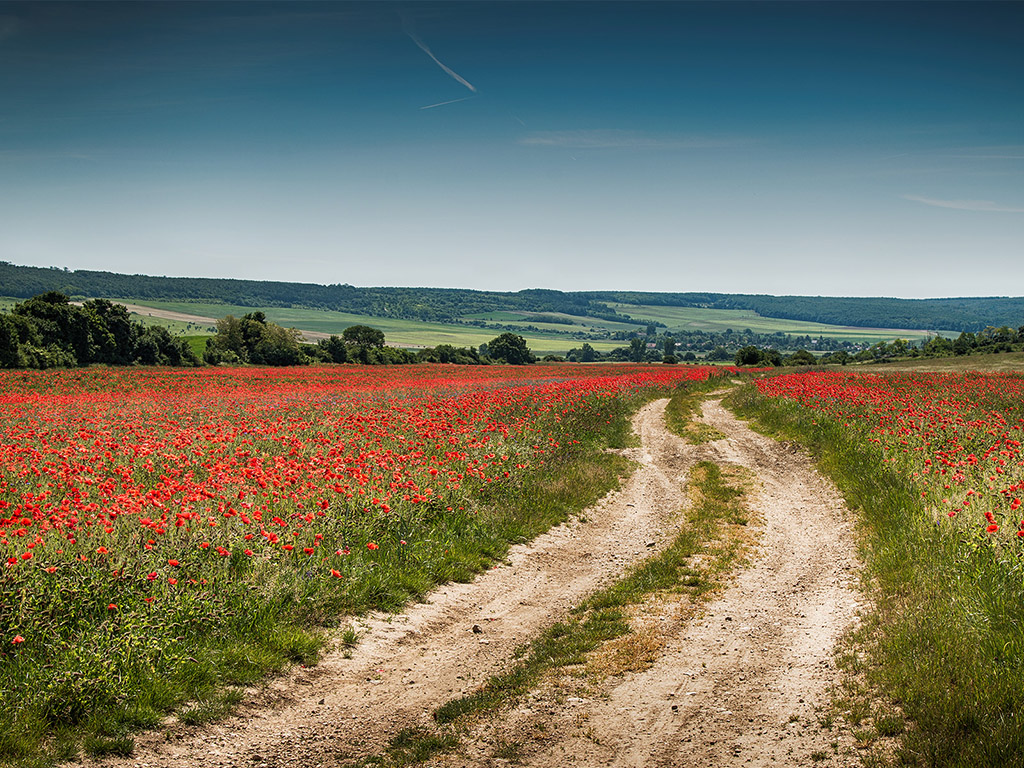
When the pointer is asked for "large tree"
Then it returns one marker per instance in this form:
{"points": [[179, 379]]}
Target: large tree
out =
{"points": [[510, 348]]}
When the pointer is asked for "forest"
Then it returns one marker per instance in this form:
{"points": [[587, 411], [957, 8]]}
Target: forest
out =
{"points": [[451, 304]]}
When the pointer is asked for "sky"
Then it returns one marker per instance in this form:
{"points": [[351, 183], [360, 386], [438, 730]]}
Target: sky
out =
{"points": [[812, 148]]}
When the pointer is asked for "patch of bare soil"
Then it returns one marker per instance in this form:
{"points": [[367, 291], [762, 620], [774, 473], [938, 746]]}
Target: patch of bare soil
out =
{"points": [[745, 683], [166, 314], [407, 665]]}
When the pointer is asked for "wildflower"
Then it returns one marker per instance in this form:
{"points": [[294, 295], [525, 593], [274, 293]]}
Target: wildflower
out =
{"points": [[173, 563], [372, 546], [112, 607], [18, 640], [335, 573]]}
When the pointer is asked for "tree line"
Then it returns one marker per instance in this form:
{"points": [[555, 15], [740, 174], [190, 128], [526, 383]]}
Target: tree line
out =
{"points": [[49, 331], [453, 304]]}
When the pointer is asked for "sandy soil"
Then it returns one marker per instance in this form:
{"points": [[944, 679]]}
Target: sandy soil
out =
{"points": [[744, 684], [736, 686]]}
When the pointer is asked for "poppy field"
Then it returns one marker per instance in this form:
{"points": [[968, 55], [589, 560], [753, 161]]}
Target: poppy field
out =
{"points": [[166, 532], [957, 437], [932, 465]]}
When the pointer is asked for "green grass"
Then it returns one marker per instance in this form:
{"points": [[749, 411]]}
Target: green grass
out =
{"points": [[945, 640], [686, 405], [719, 320], [579, 322]]}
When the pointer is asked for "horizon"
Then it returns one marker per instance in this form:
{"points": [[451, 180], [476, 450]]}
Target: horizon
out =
{"points": [[846, 150], [539, 288]]}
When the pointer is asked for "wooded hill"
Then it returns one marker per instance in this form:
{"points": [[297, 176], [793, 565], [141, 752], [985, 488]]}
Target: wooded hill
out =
{"points": [[453, 304]]}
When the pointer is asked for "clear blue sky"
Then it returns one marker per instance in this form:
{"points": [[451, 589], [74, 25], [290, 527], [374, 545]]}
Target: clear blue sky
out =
{"points": [[811, 148]]}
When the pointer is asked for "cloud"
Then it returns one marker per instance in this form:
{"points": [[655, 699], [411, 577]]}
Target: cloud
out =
{"points": [[455, 75], [965, 205], [442, 103], [612, 139]]}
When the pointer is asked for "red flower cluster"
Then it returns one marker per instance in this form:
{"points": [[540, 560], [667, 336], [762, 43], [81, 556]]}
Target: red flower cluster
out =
{"points": [[216, 460], [958, 436]]}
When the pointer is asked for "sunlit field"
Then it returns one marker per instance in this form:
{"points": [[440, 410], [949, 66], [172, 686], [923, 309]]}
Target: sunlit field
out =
{"points": [[166, 532]]}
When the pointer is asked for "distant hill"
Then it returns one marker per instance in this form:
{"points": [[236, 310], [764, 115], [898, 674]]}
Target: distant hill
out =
{"points": [[447, 304]]}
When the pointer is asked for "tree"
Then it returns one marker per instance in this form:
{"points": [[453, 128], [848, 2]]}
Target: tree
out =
{"points": [[587, 353], [801, 357], [9, 357], [749, 356], [670, 346], [511, 349], [333, 349], [637, 349], [363, 336]]}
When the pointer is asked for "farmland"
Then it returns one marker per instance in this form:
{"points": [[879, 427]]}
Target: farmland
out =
{"points": [[407, 333], [545, 332], [718, 320], [165, 533]]}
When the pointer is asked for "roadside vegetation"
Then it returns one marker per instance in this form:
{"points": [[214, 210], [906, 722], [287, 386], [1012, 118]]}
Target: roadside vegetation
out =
{"points": [[933, 464]]}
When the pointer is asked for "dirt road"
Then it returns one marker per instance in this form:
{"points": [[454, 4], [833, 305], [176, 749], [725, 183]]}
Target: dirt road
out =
{"points": [[736, 686]]}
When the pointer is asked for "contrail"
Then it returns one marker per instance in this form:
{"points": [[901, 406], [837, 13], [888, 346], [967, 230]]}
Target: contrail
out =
{"points": [[455, 75], [442, 103]]}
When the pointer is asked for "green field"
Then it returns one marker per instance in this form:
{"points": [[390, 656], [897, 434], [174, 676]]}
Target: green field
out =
{"points": [[719, 320], [405, 333], [578, 323], [542, 337]]}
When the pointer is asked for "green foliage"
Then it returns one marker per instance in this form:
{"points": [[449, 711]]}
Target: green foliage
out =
{"points": [[801, 357], [446, 353], [752, 357], [48, 331], [252, 339], [510, 348], [440, 304]]}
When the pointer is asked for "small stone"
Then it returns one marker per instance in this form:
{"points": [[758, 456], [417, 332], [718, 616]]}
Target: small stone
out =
{"points": [[477, 630]]}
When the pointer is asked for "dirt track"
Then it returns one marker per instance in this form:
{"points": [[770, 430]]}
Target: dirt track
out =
{"points": [[736, 686]]}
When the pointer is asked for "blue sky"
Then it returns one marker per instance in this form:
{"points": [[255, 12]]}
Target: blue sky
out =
{"points": [[826, 148]]}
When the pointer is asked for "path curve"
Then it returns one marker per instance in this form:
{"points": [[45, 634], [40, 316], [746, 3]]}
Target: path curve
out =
{"points": [[741, 685]]}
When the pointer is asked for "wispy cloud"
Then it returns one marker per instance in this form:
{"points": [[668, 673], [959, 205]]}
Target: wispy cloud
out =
{"points": [[455, 75], [613, 139], [442, 103], [965, 205]]}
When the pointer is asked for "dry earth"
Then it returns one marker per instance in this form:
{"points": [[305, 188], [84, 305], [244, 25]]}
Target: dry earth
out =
{"points": [[738, 685]]}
